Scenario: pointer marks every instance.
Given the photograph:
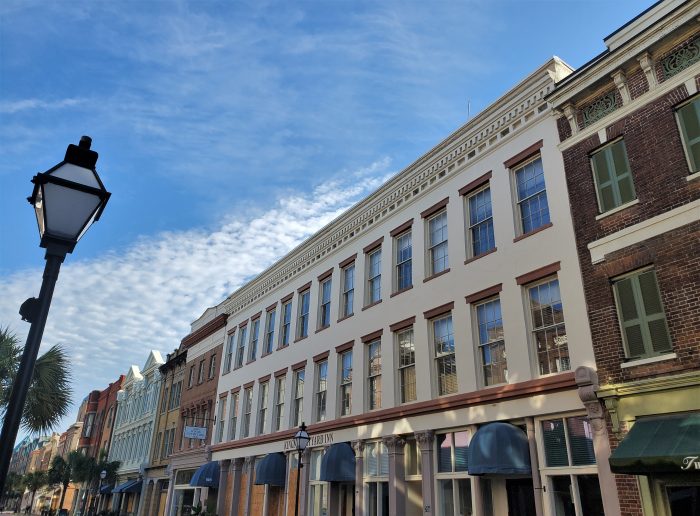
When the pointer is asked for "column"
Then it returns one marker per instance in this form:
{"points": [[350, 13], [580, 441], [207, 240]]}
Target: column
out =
{"points": [[534, 465], [237, 472], [224, 467], [477, 494], [169, 496], [397, 474], [304, 474], [249, 467], [359, 447], [587, 381], [425, 443], [146, 505]]}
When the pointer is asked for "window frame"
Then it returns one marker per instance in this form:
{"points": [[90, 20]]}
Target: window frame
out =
{"points": [[324, 302], [452, 476], [212, 366], [692, 168], [240, 348], [280, 393], [263, 401], [303, 317], [606, 151], [343, 385], [247, 411], [373, 282], [436, 358], [476, 325], [532, 330], [254, 338], [228, 358], [321, 391], [374, 397], [471, 226], [233, 415], [399, 264], [514, 169], [270, 319], [285, 334], [221, 418], [200, 372], [400, 366], [431, 247], [296, 415], [347, 301]]}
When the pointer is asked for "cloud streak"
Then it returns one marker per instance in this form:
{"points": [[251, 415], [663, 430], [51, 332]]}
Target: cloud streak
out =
{"points": [[109, 312]]}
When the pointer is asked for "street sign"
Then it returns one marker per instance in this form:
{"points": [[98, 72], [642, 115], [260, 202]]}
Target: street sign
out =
{"points": [[195, 432]]}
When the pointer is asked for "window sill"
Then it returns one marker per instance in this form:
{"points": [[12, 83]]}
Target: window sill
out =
{"points": [[345, 317], [401, 291], [615, 210], [371, 305], [323, 328], [691, 177], [533, 232], [250, 362], [436, 275], [299, 339], [474, 258], [651, 360], [282, 347]]}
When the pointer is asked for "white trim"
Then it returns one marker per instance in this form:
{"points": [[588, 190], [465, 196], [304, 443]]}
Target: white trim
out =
{"points": [[603, 135], [673, 219], [691, 86], [615, 210], [696, 175], [651, 360]]}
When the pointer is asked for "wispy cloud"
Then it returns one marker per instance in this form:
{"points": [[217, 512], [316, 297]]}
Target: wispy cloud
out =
{"points": [[109, 312], [11, 107]]}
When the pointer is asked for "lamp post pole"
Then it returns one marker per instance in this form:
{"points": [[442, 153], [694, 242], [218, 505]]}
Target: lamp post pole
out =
{"points": [[302, 439], [75, 197]]}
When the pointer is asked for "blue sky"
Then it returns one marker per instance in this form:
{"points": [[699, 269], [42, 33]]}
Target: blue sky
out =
{"points": [[230, 131]]}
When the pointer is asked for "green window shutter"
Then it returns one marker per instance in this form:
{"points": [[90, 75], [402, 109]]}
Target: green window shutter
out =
{"points": [[621, 167], [689, 116], [554, 440], [656, 320], [613, 177], [629, 317], [606, 196]]}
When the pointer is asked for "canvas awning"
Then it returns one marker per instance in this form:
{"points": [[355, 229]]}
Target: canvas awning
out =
{"points": [[660, 444], [128, 486], [338, 464], [499, 449], [105, 490], [207, 475], [271, 469]]}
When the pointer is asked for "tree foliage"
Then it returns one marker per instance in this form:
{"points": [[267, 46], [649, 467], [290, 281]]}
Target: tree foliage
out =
{"points": [[49, 395]]}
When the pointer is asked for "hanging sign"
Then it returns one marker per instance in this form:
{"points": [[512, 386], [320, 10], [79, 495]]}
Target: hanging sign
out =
{"points": [[195, 432]]}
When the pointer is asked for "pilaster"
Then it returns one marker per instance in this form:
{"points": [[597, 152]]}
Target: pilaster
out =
{"points": [[397, 474], [425, 441], [359, 447], [224, 467], [249, 468], [237, 472]]}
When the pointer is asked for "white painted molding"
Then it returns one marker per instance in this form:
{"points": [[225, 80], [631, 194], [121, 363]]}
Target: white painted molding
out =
{"points": [[645, 361]]}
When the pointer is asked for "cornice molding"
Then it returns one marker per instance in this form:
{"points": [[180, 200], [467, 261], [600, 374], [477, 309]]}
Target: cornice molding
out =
{"points": [[205, 331]]}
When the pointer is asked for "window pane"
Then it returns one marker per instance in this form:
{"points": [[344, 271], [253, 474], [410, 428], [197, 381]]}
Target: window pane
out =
{"points": [[591, 499], [464, 496], [447, 506], [580, 441], [461, 440], [690, 123], [444, 443], [561, 496], [554, 443], [548, 327], [532, 197]]}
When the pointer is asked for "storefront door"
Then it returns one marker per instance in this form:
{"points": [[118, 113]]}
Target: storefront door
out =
{"points": [[683, 500], [347, 500], [521, 497]]}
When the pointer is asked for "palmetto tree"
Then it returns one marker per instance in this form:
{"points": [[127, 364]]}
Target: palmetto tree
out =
{"points": [[35, 481], [14, 487], [63, 472], [49, 393], [88, 471]]}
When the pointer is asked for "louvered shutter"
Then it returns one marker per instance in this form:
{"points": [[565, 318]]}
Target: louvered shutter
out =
{"points": [[555, 443], [654, 311], [606, 196], [580, 441], [629, 318], [690, 123]]}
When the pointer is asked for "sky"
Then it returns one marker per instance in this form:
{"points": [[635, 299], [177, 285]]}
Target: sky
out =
{"points": [[228, 132]]}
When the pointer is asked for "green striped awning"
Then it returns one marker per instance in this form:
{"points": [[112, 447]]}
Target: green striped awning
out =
{"points": [[660, 444]]}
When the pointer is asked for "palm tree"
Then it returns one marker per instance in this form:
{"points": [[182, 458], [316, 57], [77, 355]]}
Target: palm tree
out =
{"points": [[49, 395], [63, 472], [35, 481], [14, 488], [88, 471]]}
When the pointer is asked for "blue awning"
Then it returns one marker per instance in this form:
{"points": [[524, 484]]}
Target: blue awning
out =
{"points": [[338, 464], [105, 490], [271, 470], [499, 449], [135, 487], [128, 485], [206, 476]]}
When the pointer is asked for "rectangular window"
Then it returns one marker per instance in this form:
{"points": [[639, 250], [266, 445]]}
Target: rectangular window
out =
{"points": [[548, 329], [480, 221], [348, 290], [318, 490], [190, 380], [263, 397], [374, 374], [689, 121], [157, 449], [254, 335], [228, 358], [404, 261], [303, 323], [531, 196], [569, 466], [240, 352], [406, 366], [298, 409], [641, 315], [278, 418], [212, 366], [437, 243], [164, 401], [612, 176], [221, 420], [233, 417], [492, 347], [321, 388], [376, 459], [200, 375], [444, 346], [346, 383], [286, 324], [374, 276], [269, 331], [247, 409], [454, 486], [324, 319]]}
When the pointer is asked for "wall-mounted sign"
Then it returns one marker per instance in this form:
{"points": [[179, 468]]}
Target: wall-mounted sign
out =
{"points": [[195, 432], [316, 440]]}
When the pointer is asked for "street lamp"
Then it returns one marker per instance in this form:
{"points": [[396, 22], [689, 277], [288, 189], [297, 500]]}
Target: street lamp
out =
{"points": [[67, 199], [301, 439]]}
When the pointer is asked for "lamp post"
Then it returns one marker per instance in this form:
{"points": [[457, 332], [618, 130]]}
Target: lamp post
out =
{"points": [[301, 438], [67, 199]]}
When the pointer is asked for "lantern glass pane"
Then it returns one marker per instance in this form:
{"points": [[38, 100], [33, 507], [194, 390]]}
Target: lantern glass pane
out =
{"points": [[77, 174], [67, 211]]}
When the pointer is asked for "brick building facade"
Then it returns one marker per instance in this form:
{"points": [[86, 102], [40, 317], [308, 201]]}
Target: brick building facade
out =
{"points": [[628, 123]]}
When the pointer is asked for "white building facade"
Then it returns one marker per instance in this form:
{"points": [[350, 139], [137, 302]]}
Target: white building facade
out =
{"points": [[133, 431], [428, 337]]}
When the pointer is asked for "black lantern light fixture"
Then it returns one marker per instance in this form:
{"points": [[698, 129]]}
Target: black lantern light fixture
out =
{"points": [[301, 439], [67, 199]]}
